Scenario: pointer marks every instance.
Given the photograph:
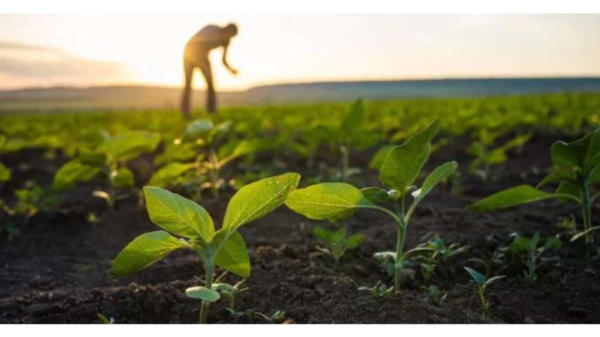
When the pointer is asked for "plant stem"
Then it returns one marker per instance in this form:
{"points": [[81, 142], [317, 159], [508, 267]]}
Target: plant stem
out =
{"points": [[209, 271], [586, 208]]}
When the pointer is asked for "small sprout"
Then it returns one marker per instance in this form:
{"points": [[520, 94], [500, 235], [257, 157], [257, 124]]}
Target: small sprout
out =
{"points": [[437, 296], [533, 255], [482, 284], [379, 290], [485, 156], [105, 320], [223, 248], [338, 242], [436, 252]]}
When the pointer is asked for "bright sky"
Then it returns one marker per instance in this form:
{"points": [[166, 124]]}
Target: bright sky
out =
{"points": [[46, 50]]}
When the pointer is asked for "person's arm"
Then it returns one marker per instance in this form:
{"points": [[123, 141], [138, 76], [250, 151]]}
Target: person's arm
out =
{"points": [[225, 47]]}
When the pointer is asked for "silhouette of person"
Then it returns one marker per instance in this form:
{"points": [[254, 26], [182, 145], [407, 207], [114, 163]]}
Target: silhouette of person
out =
{"points": [[195, 56]]}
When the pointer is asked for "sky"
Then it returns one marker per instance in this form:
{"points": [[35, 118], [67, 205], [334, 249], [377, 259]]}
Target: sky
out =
{"points": [[45, 50]]}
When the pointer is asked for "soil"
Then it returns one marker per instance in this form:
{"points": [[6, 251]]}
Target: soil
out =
{"points": [[56, 269]]}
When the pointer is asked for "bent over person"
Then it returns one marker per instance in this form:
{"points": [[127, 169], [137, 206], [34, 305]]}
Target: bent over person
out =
{"points": [[196, 56]]}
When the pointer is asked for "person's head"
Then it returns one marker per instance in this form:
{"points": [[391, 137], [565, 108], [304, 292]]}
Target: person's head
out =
{"points": [[230, 30]]}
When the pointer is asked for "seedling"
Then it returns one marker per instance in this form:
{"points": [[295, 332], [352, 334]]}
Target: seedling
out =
{"points": [[202, 142], [435, 253], [379, 290], [486, 157], [532, 254], [33, 200], [577, 167], [252, 314], [109, 160], [482, 284], [338, 242], [399, 171], [437, 296], [223, 248]]}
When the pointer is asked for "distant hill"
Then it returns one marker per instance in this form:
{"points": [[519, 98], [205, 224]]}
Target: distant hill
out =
{"points": [[153, 97]]}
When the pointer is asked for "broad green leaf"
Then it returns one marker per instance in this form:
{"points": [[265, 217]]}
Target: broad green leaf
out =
{"points": [[323, 233], [375, 194], [328, 201], [170, 173], [477, 276], [355, 240], [4, 173], [73, 172], [198, 129], [180, 152], [379, 157], [202, 293], [256, 200], [92, 158], [520, 244], [122, 178], [592, 156], [403, 163], [354, 120], [594, 175], [512, 197], [131, 144], [435, 177], [144, 251], [551, 243], [232, 254], [177, 214]]}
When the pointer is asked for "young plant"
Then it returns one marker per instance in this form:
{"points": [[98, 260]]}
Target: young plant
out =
{"points": [[108, 159], [379, 290], [105, 320], [486, 157], [223, 248], [482, 284], [437, 296], [577, 168], [35, 199], [338, 242], [532, 254], [202, 142], [400, 170], [435, 253]]}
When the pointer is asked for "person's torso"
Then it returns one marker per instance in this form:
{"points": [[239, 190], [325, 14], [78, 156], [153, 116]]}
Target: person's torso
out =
{"points": [[209, 37]]}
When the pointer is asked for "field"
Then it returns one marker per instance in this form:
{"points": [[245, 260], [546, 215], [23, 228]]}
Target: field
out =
{"points": [[63, 226]]}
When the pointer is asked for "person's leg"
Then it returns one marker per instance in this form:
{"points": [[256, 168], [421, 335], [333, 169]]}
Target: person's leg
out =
{"points": [[188, 69], [211, 99]]}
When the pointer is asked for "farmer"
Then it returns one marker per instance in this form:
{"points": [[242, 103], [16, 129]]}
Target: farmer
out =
{"points": [[196, 56]]}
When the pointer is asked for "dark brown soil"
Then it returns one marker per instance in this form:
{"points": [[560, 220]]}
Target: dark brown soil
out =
{"points": [[56, 270]]}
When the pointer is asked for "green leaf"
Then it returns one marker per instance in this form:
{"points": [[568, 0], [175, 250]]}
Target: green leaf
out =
{"points": [[435, 177], [379, 157], [144, 251], [493, 279], [122, 178], [232, 253], [198, 129], [551, 243], [72, 172], [355, 240], [339, 235], [177, 214], [520, 244], [92, 158], [2, 142], [584, 233], [323, 233], [177, 152], [477, 276], [4, 173], [167, 175], [327, 201], [375, 194], [567, 187], [569, 155], [202, 293], [403, 163], [255, 200], [354, 120], [594, 175], [512, 197], [104, 320], [131, 144], [554, 177]]}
